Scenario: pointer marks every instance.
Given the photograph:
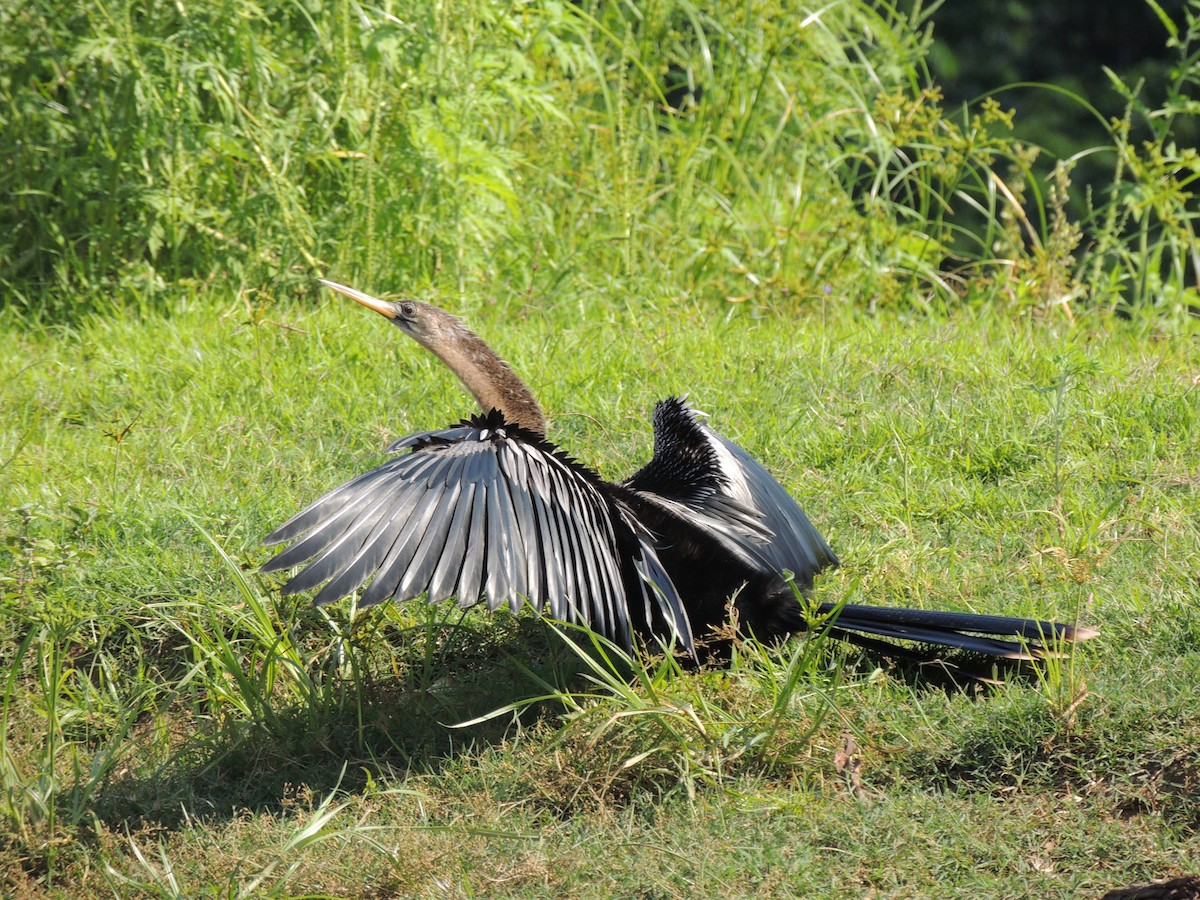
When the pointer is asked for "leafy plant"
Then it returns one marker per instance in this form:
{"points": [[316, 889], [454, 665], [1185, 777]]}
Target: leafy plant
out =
{"points": [[760, 151]]}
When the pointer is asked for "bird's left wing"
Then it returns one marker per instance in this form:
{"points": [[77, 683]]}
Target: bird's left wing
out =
{"points": [[726, 489], [483, 508]]}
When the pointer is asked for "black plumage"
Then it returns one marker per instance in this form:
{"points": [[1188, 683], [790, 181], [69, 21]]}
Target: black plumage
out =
{"points": [[489, 509]]}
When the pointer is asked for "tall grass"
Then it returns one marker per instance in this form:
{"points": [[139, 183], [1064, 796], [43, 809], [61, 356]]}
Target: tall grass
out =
{"points": [[761, 151], [1146, 249]]}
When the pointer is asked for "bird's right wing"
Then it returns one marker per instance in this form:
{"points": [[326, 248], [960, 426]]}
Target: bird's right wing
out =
{"points": [[483, 508]]}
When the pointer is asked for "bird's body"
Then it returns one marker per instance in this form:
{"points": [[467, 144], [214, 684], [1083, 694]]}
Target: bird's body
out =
{"points": [[490, 509]]}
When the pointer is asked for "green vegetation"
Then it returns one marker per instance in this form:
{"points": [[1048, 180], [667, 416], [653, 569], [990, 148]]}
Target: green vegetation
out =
{"points": [[1046, 58], [555, 152], [874, 297]]}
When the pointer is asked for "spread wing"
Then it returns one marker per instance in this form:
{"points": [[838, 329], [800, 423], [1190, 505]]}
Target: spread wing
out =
{"points": [[726, 489], [483, 509]]}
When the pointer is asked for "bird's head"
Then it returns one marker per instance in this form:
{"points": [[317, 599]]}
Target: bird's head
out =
{"points": [[488, 378], [426, 324]]}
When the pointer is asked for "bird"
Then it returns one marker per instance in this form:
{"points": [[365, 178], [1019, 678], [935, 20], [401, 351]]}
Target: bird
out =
{"points": [[700, 538]]}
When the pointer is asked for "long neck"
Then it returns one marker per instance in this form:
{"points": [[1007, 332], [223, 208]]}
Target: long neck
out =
{"points": [[491, 381]]}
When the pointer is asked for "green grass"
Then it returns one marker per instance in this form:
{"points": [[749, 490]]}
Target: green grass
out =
{"points": [[985, 405], [174, 727]]}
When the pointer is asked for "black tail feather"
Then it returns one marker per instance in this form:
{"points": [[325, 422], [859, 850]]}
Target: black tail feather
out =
{"points": [[967, 643], [1000, 637]]}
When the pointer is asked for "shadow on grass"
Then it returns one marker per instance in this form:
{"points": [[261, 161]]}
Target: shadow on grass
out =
{"points": [[399, 715], [955, 674], [392, 722], [1134, 755]]}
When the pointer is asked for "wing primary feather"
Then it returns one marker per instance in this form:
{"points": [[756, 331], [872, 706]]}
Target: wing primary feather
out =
{"points": [[658, 588], [516, 468], [449, 568], [330, 555], [365, 563], [517, 518], [305, 520], [324, 532], [399, 562], [512, 551], [549, 551], [471, 581], [412, 506], [375, 532], [330, 517], [498, 586], [566, 509], [428, 551], [565, 555], [589, 536]]}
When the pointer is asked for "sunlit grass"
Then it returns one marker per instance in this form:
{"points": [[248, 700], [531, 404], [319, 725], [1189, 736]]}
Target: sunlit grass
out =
{"points": [[974, 462], [878, 299]]}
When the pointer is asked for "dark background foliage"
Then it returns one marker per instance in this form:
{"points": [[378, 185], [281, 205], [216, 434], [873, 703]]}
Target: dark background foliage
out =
{"points": [[983, 46]]}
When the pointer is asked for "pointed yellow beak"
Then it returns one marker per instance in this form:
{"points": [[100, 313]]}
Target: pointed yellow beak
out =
{"points": [[380, 306]]}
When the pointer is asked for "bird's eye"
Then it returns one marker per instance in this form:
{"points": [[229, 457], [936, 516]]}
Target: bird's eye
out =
{"points": [[407, 309]]}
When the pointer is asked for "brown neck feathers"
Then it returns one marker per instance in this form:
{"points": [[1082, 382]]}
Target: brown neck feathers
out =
{"points": [[491, 381]]}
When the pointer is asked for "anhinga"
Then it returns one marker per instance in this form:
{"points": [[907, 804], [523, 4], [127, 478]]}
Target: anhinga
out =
{"points": [[488, 508]]}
